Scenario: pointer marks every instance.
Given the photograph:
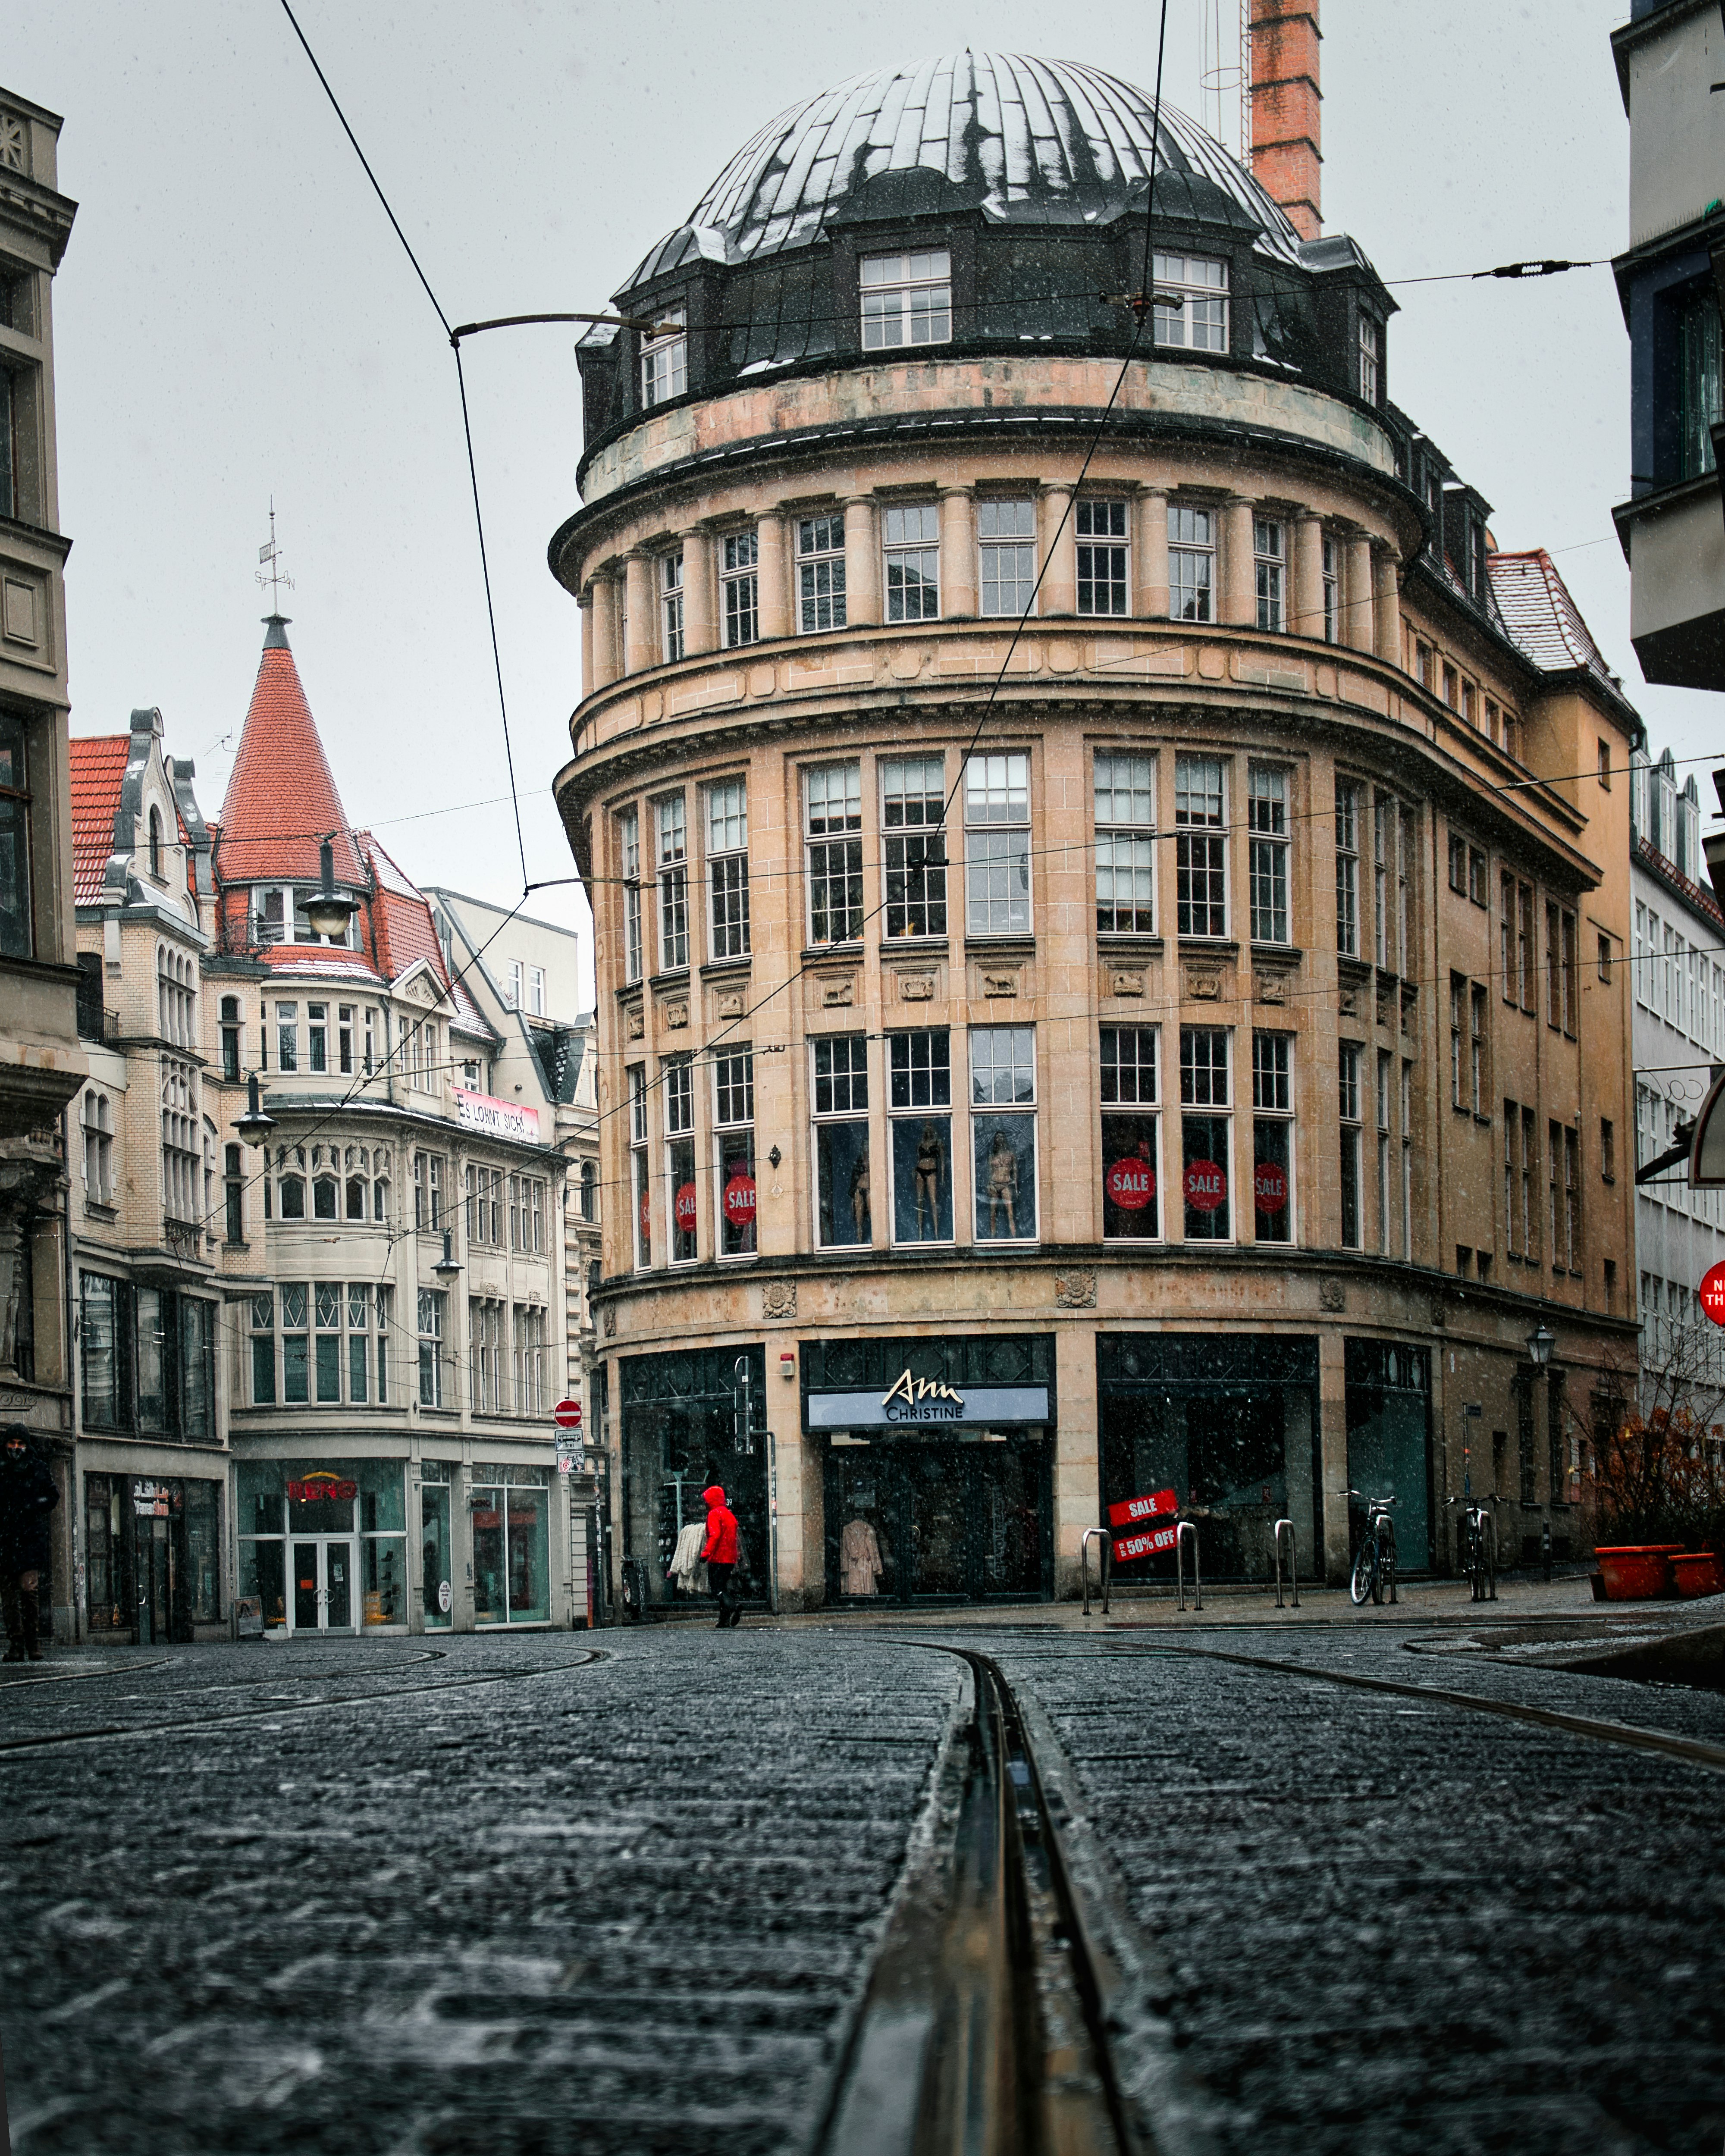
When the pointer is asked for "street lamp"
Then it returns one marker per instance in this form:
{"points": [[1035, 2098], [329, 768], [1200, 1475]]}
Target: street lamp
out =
{"points": [[328, 910], [254, 1127], [448, 1264], [1540, 1344]]}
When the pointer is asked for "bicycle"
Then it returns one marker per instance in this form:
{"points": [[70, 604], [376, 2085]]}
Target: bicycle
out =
{"points": [[1479, 1546], [1374, 1561]]}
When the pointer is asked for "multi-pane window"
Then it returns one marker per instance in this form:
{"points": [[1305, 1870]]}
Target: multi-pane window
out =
{"points": [[287, 1036], [820, 573], [920, 1100], [484, 1205], [670, 605], [1205, 1133], [428, 1192], [527, 1213], [843, 1205], [485, 1355], [530, 1355], [1525, 955], [1407, 1108], [1006, 537], [1002, 1131], [684, 1198], [1273, 1137], [913, 803], [1104, 585], [734, 1143], [727, 866], [317, 1036], [234, 1193], [1458, 1051], [99, 1149], [629, 835], [1348, 868], [640, 1171], [1529, 1163], [1331, 594], [997, 844], [833, 827], [740, 587], [1191, 563], [176, 996], [1125, 844], [1348, 1073], [1269, 562], [1200, 847], [1191, 302], [181, 1155], [231, 1031], [1478, 1085], [328, 1339], [434, 1322], [1130, 1133], [664, 359], [16, 937], [1267, 823], [906, 299], [1572, 1201], [673, 864], [910, 544], [1386, 1066], [1369, 336]]}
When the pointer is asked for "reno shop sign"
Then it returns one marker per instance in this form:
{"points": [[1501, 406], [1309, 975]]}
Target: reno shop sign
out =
{"points": [[496, 1119], [915, 1403]]}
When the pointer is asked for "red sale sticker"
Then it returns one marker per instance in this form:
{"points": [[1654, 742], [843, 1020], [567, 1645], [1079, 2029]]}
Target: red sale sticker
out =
{"points": [[1142, 1508], [686, 1209], [1206, 1186], [1151, 1542], [740, 1200], [1270, 1186], [1131, 1184]]}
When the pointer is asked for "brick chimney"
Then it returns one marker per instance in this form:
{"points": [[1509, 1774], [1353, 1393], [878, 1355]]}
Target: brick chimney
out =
{"points": [[1286, 153]]}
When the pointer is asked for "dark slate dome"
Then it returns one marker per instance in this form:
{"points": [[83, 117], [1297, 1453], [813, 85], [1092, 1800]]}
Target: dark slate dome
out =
{"points": [[1022, 140]]}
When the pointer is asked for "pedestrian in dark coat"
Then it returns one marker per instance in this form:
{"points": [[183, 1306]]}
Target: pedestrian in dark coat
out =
{"points": [[719, 1554], [27, 1498]]}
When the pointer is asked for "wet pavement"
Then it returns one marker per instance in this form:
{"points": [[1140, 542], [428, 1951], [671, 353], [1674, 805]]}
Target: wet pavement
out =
{"points": [[512, 1894]]}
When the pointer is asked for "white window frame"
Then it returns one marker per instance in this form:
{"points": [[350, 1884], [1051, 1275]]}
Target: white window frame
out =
{"points": [[911, 554], [997, 838], [664, 359], [1006, 556], [1200, 322], [1331, 574], [670, 606], [629, 848], [1207, 829], [1270, 565], [1102, 526], [913, 846], [1191, 547], [671, 828], [1267, 814], [740, 587], [1370, 359], [820, 572], [837, 813], [727, 868], [1002, 1064], [1125, 842], [905, 299]]}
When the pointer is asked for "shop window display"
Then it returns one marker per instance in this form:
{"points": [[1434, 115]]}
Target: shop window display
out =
{"points": [[1003, 1078], [921, 1086], [511, 1575], [1132, 1209], [436, 1580], [843, 1197]]}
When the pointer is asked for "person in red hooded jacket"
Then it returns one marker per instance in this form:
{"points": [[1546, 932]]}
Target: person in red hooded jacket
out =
{"points": [[719, 1554]]}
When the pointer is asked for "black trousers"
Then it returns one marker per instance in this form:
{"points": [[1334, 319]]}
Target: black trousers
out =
{"points": [[718, 1579], [17, 1602]]}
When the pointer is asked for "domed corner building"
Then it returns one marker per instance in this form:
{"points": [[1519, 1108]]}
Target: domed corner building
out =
{"points": [[1182, 1048]]}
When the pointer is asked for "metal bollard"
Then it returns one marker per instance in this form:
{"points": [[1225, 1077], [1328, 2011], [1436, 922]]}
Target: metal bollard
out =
{"points": [[1100, 1535], [1488, 1525], [1187, 1528], [1293, 1563]]}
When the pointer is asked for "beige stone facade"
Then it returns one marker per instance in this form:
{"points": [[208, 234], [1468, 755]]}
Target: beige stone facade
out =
{"points": [[1224, 892]]}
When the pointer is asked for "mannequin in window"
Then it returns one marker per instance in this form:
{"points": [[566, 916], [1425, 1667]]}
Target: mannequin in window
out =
{"points": [[1002, 1183], [860, 1198], [860, 1561], [931, 1166]]}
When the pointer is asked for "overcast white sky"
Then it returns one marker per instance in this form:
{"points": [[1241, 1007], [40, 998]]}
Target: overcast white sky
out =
{"points": [[234, 319]]}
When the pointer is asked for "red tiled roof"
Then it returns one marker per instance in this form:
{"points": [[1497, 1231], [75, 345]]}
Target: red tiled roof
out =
{"points": [[280, 795], [1543, 619], [404, 932], [98, 766]]}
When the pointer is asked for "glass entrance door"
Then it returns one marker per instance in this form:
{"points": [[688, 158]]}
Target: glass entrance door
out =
{"points": [[323, 1584], [919, 1520]]}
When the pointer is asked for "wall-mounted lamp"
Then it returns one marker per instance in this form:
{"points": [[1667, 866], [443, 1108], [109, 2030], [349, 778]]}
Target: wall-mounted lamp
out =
{"points": [[448, 1264], [328, 910], [254, 1127], [1540, 1345]]}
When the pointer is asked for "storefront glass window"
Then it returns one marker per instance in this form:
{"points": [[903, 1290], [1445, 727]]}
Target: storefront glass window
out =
{"points": [[733, 1118], [511, 1570], [198, 1356], [844, 1204], [151, 1363], [1205, 1154], [436, 1583], [203, 1552], [1272, 1138], [1003, 1070], [103, 1309], [920, 1077]]}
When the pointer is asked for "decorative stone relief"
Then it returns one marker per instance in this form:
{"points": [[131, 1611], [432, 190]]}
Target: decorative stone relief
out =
{"points": [[916, 988], [1074, 1291], [1000, 985], [1438, 1316], [1271, 987], [1200, 983], [730, 1005], [1123, 983], [634, 1024], [610, 1322], [778, 1299], [1331, 1294], [1348, 1002], [838, 994], [676, 1017]]}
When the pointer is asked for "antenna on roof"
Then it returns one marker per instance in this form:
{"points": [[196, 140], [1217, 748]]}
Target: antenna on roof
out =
{"points": [[272, 573]]}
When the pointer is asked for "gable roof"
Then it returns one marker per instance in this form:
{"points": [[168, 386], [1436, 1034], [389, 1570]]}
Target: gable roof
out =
{"points": [[281, 796], [406, 937], [1545, 623], [98, 768]]}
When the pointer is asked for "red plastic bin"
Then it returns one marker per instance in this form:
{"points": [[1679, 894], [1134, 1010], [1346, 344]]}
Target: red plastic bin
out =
{"points": [[1637, 1572]]}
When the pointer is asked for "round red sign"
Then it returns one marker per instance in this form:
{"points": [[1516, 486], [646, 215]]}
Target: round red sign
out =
{"points": [[646, 1216], [740, 1200], [566, 1414], [1712, 1293], [1270, 1186], [1131, 1184], [687, 1206], [1206, 1186]]}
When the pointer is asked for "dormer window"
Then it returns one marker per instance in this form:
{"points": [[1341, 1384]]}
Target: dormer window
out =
{"points": [[1192, 302], [273, 909], [665, 360], [1370, 351], [906, 299]]}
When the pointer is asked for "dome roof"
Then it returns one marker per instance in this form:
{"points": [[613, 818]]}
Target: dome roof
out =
{"points": [[1022, 140]]}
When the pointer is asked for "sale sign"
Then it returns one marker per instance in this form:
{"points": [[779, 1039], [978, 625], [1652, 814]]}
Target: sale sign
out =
{"points": [[740, 1200], [1712, 1291], [1131, 1184], [1149, 1542], [1206, 1186], [1270, 1186], [687, 1207], [1142, 1508]]}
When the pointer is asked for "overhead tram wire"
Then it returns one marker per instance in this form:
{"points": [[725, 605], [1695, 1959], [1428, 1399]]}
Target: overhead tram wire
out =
{"points": [[466, 423]]}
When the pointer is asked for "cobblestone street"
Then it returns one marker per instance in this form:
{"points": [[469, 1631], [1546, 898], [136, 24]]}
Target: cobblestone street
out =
{"points": [[622, 1893]]}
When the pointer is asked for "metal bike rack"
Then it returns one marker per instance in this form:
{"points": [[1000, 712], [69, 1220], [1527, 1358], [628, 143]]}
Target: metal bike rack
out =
{"points": [[1293, 1563], [1095, 1535], [1187, 1528]]}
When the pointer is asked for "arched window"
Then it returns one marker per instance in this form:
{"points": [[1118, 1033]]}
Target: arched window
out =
{"points": [[156, 843], [323, 1197], [293, 1197], [356, 1197], [380, 1199], [98, 1148], [589, 1189]]}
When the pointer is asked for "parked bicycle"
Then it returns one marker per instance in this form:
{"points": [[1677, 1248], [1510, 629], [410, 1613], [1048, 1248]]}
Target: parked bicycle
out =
{"points": [[1374, 1561], [1479, 1546]]}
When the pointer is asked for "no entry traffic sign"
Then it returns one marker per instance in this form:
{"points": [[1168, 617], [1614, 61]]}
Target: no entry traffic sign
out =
{"points": [[566, 1414], [1712, 1293]]}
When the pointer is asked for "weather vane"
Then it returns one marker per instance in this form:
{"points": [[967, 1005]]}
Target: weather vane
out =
{"points": [[273, 574]]}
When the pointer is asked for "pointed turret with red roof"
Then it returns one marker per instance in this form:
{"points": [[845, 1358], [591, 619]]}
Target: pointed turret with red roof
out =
{"points": [[281, 798]]}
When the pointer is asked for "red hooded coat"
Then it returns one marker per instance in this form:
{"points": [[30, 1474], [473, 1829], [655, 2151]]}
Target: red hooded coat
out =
{"points": [[721, 1545]]}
